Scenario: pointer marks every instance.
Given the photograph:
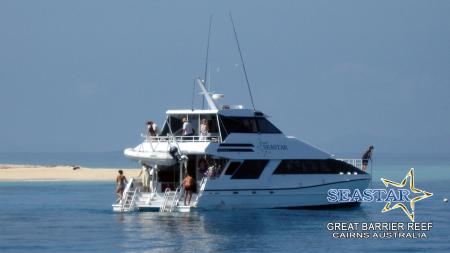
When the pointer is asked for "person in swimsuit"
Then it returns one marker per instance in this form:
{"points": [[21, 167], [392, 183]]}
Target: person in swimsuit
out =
{"points": [[188, 184], [366, 157], [121, 181]]}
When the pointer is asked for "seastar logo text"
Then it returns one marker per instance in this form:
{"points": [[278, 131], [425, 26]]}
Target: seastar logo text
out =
{"points": [[397, 197]]}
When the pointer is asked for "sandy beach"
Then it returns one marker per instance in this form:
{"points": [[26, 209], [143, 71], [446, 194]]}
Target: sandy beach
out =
{"points": [[15, 172]]}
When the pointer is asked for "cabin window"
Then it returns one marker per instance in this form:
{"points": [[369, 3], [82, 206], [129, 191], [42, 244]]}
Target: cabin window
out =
{"points": [[211, 122], [239, 124], [165, 130], [232, 168], [246, 125], [266, 127], [176, 125], [175, 121], [250, 169], [324, 166]]}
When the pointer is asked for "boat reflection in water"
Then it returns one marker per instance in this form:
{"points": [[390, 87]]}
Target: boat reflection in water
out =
{"points": [[264, 230]]}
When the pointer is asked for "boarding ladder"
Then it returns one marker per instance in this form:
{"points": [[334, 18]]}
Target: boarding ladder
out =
{"points": [[128, 202], [202, 188], [171, 199]]}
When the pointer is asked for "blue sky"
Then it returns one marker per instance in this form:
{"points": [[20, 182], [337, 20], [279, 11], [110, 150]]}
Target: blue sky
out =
{"points": [[86, 75]]}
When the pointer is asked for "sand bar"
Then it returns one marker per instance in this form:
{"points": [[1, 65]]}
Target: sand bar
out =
{"points": [[14, 172]]}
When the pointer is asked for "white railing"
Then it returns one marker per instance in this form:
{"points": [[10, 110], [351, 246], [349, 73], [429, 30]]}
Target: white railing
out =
{"points": [[178, 194], [201, 189], [127, 189], [128, 204], [355, 162], [195, 138], [171, 199]]}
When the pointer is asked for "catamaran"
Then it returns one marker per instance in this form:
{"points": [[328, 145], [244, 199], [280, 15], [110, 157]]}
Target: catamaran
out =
{"points": [[242, 161]]}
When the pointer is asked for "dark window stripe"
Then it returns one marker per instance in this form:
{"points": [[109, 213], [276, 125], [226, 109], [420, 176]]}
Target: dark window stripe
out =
{"points": [[250, 169], [315, 166], [232, 168], [234, 150], [236, 145], [246, 125]]}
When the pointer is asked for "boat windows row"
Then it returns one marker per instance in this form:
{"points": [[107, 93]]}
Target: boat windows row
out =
{"points": [[252, 169], [217, 125]]}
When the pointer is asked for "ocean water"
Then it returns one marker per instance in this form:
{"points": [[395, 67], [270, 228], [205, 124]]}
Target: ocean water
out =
{"points": [[77, 217], [111, 159]]}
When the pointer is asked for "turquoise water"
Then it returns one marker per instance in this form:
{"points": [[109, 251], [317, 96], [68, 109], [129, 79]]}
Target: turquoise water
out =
{"points": [[74, 217], [114, 159]]}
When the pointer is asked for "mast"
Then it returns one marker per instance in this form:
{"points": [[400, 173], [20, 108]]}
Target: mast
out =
{"points": [[206, 95], [243, 64], [207, 57]]}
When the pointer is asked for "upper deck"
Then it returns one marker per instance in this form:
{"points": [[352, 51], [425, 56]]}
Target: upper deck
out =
{"points": [[218, 124]]}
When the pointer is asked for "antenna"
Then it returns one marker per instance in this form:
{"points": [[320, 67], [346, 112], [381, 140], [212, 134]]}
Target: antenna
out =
{"points": [[207, 56], [243, 64], [193, 96]]}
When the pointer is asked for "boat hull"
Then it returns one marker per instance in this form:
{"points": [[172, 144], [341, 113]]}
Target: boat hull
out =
{"points": [[300, 197]]}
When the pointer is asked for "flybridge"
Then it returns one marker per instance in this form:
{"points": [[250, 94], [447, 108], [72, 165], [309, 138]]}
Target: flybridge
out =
{"points": [[221, 122]]}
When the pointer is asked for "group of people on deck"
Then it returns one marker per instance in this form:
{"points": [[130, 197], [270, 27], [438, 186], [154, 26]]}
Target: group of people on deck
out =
{"points": [[188, 182], [188, 130], [121, 181]]}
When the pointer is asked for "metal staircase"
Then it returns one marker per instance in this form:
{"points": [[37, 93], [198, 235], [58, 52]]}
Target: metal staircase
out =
{"points": [[171, 199], [129, 199], [128, 203]]}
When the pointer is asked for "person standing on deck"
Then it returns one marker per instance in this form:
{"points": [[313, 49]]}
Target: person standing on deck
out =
{"points": [[204, 130], [145, 178], [152, 128], [187, 128], [366, 157], [121, 181]]}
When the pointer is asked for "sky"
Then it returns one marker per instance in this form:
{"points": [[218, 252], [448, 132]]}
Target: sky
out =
{"points": [[84, 76]]}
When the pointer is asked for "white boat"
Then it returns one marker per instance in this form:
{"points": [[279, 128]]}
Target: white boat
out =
{"points": [[251, 164], [243, 161]]}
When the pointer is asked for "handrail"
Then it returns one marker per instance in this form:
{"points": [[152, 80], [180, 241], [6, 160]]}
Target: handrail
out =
{"points": [[127, 188], [180, 193], [174, 195], [131, 202], [355, 162], [163, 207], [174, 199], [202, 188], [133, 199], [193, 138]]}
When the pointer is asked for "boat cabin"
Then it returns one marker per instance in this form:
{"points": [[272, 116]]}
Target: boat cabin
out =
{"points": [[220, 123]]}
